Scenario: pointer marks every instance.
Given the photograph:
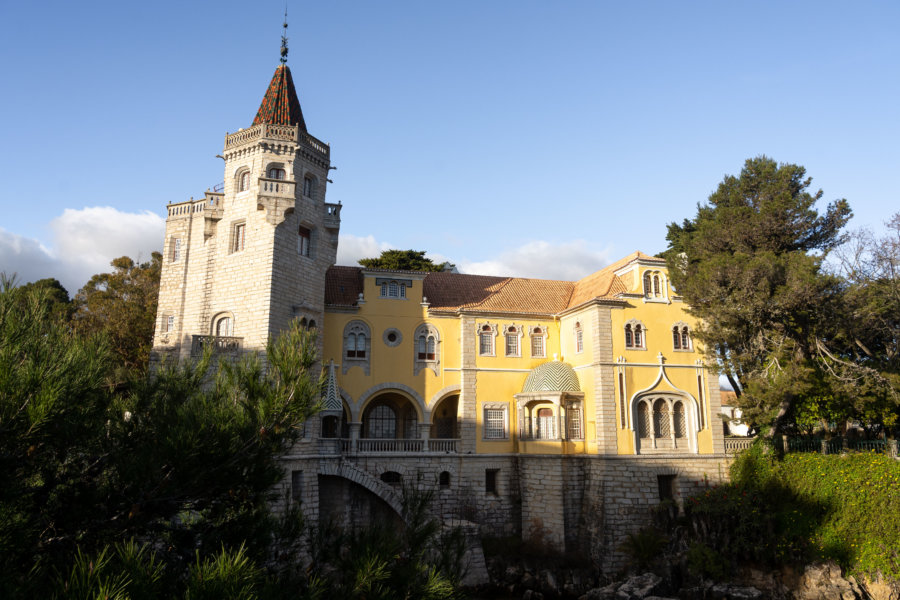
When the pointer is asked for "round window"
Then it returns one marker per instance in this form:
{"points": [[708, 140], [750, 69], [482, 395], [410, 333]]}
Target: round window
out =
{"points": [[392, 337]]}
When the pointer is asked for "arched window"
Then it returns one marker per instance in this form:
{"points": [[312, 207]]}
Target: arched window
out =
{"points": [[681, 337], [244, 181], [643, 420], [511, 335], [276, 173], [635, 337], [648, 292], [427, 351], [357, 346], [392, 478], [486, 340], [538, 347], [656, 285], [381, 422], [224, 326], [661, 426], [678, 420]]}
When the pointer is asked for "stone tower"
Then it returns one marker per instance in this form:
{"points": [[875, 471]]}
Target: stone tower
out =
{"points": [[244, 261]]}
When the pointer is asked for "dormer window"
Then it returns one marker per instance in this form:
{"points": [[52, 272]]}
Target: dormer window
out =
{"points": [[393, 289], [655, 286]]}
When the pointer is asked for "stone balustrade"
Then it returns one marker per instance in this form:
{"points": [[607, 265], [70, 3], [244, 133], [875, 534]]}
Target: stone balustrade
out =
{"points": [[211, 202], [286, 133], [395, 446], [276, 187], [735, 445], [219, 343], [332, 215]]}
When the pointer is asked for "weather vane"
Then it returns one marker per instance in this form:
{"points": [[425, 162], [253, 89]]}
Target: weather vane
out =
{"points": [[284, 39]]}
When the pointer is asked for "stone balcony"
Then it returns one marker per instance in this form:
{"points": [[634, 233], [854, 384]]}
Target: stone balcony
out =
{"points": [[277, 188], [332, 215], [220, 344]]}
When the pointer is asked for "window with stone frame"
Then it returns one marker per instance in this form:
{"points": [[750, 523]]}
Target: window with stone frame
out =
{"points": [[490, 481], [357, 346], [635, 335], [654, 284], [223, 326], [512, 334], [427, 348], [169, 323], [538, 342], [496, 423], [304, 241], [175, 254], [486, 333], [681, 337], [574, 426], [275, 173], [579, 338], [238, 236], [309, 186], [243, 180]]}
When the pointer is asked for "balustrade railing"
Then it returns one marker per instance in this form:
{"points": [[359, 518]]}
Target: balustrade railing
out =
{"points": [[735, 445], [332, 215], [276, 187], [443, 445], [377, 445], [219, 343]]}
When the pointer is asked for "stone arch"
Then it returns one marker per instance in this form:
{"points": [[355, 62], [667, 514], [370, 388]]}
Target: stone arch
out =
{"points": [[404, 390], [362, 478], [644, 407]]}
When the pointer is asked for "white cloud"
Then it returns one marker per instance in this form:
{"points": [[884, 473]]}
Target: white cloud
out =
{"points": [[351, 248], [566, 261], [84, 243]]}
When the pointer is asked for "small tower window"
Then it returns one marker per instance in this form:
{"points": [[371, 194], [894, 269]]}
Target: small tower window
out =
{"points": [[244, 181], [237, 241], [304, 241], [224, 327], [579, 339], [176, 249], [309, 186], [276, 173]]}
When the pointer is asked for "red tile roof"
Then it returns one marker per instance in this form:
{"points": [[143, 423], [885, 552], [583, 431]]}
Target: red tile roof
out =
{"points": [[484, 293], [280, 105]]}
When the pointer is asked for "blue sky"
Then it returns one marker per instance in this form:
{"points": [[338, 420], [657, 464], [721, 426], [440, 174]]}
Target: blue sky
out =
{"points": [[524, 138]]}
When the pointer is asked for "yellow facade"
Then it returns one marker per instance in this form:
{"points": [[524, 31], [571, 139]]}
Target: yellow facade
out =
{"points": [[654, 373]]}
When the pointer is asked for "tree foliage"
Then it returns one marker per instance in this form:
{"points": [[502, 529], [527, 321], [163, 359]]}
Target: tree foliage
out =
{"points": [[404, 260], [750, 266], [122, 304]]}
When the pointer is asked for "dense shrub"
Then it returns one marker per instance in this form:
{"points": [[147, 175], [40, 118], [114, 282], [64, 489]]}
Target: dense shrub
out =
{"points": [[802, 507]]}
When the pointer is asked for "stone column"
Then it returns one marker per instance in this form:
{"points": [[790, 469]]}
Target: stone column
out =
{"points": [[355, 429], [424, 435]]}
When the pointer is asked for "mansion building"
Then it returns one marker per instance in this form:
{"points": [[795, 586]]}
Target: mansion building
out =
{"points": [[558, 411]]}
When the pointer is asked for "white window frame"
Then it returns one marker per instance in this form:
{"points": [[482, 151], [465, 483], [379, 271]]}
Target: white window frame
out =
{"points": [[495, 422], [238, 236], [428, 334], [176, 249], [489, 331], [578, 332], [354, 331], [538, 333], [684, 330], [512, 332]]}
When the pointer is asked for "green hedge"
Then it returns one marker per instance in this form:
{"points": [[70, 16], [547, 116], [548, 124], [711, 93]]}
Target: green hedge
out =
{"points": [[804, 507]]}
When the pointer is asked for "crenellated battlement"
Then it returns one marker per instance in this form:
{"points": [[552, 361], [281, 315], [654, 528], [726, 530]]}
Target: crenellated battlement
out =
{"points": [[210, 205]]}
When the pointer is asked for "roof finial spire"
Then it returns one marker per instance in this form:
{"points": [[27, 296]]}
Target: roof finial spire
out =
{"points": [[284, 39]]}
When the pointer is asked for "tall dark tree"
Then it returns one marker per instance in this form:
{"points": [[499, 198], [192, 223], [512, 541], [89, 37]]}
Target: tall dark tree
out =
{"points": [[122, 304], [750, 266], [404, 260]]}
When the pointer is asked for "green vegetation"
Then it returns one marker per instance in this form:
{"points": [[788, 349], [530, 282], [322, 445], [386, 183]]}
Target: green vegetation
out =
{"points": [[804, 340], [160, 485], [801, 508], [404, 260]]}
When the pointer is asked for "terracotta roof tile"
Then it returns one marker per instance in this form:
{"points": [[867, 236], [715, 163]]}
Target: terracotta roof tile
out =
{"points": [[342, 286], [280, 105], [457, 291]]}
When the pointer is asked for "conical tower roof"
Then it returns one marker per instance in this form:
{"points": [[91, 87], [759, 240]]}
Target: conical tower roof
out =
{"points": [[280, 105]]}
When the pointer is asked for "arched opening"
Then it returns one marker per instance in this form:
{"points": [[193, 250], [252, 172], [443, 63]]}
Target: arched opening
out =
{"points": [[443, 420], [390, 416], [349, 504], [392, 478]]}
